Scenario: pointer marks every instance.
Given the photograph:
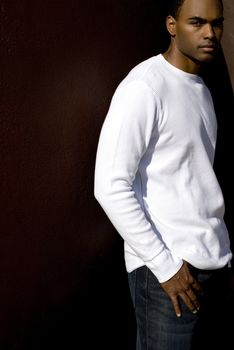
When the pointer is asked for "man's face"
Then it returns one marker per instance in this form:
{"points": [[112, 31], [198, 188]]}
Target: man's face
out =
{"points": [[199, 29]]}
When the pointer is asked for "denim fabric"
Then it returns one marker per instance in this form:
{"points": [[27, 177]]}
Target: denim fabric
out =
{"points": [[158, 328]]}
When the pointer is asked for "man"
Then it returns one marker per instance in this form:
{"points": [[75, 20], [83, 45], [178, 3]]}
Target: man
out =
{"points": [[154, 178]]}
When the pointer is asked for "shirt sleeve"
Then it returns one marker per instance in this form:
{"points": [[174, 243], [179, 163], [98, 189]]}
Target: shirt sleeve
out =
{"points": [[124, 138]]}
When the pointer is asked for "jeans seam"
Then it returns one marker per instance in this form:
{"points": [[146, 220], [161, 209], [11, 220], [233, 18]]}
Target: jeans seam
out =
{"points": [[146, 307], [134, 288], [136, 301]]}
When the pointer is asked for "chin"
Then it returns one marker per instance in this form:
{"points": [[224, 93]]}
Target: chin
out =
{"points": [[208, 58]]}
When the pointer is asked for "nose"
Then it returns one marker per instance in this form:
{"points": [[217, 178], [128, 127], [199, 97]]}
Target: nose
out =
{"points": [[209, 32]]}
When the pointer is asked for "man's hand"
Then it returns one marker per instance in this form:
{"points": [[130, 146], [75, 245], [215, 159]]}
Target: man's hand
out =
{"points": [[183, 285]]}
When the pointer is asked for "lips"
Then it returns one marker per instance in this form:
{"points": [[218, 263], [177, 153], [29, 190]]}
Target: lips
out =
{"points": [[208, 48]]}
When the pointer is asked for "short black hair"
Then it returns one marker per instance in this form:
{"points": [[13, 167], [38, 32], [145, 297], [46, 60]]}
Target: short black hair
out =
{"points": [[174, 6]]}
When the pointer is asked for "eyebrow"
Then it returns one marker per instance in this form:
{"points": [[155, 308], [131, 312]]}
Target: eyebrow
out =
{"points": [[203, 20]]}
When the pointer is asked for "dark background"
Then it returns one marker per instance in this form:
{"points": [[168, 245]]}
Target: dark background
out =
{"points": [[62, 274]]}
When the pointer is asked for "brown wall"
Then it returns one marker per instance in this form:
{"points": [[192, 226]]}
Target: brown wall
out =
{"points": [[61, 263], [228, 38]]}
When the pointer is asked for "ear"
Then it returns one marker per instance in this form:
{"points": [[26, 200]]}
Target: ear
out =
{"points": [[171, 25]]}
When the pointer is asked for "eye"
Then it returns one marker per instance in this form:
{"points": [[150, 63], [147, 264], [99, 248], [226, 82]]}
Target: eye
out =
{"points": [[218, 23], [196, 23]]}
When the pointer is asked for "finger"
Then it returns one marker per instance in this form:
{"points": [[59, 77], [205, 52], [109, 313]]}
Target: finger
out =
{"points": [[193, 298], [189, 303], [197, 286], [176, 306]]}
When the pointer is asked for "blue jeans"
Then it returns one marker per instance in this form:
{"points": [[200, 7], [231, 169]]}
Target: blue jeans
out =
{"points": [[158, 328]]}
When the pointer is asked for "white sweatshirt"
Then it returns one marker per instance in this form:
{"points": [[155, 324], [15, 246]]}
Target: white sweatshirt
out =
{"points": [[154, 172]]}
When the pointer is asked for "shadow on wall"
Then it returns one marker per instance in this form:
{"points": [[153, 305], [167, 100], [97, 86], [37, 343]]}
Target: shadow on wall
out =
{"points": [[63, 278]]}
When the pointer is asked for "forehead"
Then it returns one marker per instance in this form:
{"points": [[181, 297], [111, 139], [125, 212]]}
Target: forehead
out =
{"points": [[201, 8]]}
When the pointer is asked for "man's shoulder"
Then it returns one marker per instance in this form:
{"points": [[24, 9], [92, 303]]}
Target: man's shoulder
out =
{"points": [[150, 72], [146, 69]]}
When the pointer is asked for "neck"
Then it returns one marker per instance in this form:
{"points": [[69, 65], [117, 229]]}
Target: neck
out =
{"points": [[177, 59]]}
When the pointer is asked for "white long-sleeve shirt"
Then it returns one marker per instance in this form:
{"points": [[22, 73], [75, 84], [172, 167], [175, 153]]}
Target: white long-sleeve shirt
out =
{"points": [[154, 172]]}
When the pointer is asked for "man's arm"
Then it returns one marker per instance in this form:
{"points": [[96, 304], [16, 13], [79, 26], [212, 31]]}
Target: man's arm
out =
{"points": [[124, 139]]}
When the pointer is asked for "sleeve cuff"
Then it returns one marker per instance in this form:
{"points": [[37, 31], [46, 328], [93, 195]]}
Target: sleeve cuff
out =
{"points": [[164, 266]]}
